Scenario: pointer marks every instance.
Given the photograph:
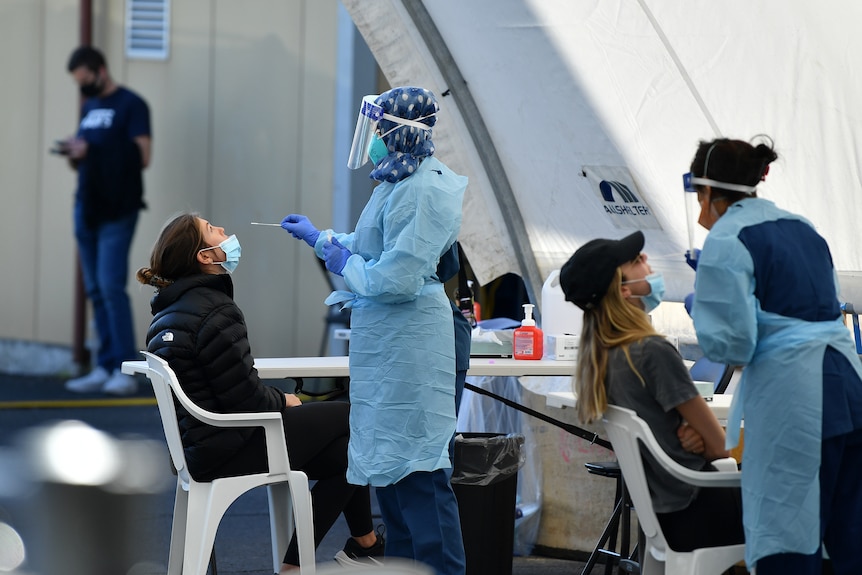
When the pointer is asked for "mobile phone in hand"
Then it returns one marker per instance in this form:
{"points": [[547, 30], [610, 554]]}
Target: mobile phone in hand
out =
{"points": [[60, 148]]}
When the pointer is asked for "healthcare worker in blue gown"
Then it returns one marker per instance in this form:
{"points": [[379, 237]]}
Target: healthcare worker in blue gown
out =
{"points": [[766, 298], [402, 344]]}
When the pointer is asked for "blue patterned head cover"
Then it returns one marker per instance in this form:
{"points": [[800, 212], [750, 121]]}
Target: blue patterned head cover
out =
{"points": [[407, 145]]}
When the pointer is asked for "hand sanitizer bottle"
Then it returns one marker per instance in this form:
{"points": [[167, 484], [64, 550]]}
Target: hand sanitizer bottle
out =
{"points": [[527, 340]]}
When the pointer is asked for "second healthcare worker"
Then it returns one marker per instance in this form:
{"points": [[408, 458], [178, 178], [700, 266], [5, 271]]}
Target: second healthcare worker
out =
{"points": [[765, 297], [402, 345]]}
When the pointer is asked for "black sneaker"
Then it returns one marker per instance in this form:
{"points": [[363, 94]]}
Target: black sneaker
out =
{"points": [[354, 554]]}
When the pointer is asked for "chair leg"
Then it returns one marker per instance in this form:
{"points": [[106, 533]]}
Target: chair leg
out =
{"points": [[178, 531], [612, 540], [649, 564], [610, 528], [303, 520], [201, 538], [280, 520], [625, 530]]}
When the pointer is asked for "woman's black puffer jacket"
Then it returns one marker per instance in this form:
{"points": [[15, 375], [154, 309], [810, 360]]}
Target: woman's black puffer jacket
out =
{"points": [[199, 330]]}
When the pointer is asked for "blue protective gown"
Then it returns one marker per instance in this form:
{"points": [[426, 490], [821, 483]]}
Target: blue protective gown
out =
{"points": [[402, 346], [765, 298]]}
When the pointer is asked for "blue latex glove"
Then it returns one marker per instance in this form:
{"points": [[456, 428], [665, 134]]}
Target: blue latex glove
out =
{"points": [[689, 299], [301, 228], [335, 255], [692, 257]]}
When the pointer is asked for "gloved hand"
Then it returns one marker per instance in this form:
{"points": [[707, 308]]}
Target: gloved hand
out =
{"points": [[335, 255], [689, 299], [301, 228], [691, 257]]}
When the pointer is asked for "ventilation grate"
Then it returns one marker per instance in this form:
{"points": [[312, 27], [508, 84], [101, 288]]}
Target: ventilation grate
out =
{"points": [[148, 29]]}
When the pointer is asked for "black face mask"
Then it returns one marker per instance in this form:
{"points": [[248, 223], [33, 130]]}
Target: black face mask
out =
{"points": [[91, 90]]}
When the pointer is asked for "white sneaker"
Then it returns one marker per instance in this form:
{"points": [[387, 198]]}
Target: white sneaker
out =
{"points": [[89, 383], [120, 384]]}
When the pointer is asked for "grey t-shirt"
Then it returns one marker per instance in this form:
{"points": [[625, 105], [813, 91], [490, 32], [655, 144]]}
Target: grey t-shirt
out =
{"points": [[666, 384]]}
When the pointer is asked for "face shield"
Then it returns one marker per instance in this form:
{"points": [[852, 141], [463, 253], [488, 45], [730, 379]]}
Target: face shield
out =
{"points": [[366, 124], [370, 115], [696, 234], [692, 213]]}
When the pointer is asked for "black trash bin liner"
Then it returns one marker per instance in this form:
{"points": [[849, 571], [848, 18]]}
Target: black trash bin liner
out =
{"points": [[485, 481]]}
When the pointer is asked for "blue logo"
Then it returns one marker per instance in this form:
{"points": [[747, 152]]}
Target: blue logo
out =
{"points": [[607, 190]]}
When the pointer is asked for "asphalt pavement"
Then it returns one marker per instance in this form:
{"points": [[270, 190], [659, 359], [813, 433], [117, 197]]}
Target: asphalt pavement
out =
{"points": [[242, 544]]}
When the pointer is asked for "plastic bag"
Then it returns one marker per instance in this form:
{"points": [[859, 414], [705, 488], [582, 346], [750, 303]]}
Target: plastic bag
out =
{"points": [[486, 458], [482, 414]]}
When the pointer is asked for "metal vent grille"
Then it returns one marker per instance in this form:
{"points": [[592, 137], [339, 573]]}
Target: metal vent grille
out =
{"points": [[148, 29]]}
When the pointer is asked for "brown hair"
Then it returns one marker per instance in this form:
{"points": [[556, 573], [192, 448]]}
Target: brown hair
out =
{"points": [[175, 252], [612, 323]]}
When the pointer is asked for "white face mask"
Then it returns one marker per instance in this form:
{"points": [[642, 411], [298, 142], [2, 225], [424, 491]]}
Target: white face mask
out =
{"points": [[232, 251]]}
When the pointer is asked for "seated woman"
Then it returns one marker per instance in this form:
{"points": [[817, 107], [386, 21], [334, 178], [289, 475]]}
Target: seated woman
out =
{"points": [[199, 330], [624, 361]]}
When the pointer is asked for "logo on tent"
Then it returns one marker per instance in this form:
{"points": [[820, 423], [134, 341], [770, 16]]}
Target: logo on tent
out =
{"points": [[608, 188], [620, 198]]}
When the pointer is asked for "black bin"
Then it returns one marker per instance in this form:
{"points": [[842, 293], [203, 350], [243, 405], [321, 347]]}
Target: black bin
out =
{"points": [[485, 481]]}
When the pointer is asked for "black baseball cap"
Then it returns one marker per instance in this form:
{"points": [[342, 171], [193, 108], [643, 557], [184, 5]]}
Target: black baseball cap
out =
{"points": [[588, 273]]}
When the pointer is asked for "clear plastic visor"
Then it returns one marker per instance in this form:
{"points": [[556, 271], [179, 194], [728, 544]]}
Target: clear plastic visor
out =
{"points": [[366, 124], [696, 234]]}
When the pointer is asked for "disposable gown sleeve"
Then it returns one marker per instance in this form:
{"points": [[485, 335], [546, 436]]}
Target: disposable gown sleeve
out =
{"points": [[725, 308], [344, 239], [419, 224]]}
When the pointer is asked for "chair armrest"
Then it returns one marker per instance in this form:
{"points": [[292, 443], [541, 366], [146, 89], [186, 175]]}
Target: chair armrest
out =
{"points": [[725, 464], [255, 419], [699, 478], [270, 421], [165, 379]]}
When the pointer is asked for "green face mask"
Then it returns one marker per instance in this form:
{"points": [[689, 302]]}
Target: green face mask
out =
{"points": [[377, 149]]}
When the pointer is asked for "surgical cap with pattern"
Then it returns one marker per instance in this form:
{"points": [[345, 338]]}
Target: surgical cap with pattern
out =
{"points": [[407, 145]]}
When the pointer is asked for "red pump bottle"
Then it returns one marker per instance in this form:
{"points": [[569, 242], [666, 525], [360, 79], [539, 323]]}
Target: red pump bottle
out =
{"points": [[528, 341]]}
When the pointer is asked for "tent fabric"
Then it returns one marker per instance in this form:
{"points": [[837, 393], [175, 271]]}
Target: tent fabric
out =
{"points": [[574, 92]]}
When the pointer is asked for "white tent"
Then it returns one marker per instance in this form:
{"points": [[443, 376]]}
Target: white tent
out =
{"points": [[544, 99]]}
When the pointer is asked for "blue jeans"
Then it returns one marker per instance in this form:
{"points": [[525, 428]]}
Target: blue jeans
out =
{"points": [[422, 522], [104, 255]]}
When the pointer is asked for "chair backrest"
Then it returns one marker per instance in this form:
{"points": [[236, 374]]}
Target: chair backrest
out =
{"points": [[167, 387], [624, 432], [160, 375], [627, 431]]}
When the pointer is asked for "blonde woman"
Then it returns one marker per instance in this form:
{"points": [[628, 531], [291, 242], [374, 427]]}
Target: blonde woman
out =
{"points": [[624, 361]]}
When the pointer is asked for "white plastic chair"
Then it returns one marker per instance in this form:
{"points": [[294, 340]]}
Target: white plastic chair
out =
{"points": [[200, 506], [624, 430]]}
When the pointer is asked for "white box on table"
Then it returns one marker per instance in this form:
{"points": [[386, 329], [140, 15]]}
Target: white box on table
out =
{"points": [[561, 347]]}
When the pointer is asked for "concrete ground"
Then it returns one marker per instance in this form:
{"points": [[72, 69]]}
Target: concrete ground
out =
{"points": [[242, 544]]}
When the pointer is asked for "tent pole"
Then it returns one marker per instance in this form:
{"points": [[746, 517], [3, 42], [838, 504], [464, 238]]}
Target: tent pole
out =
{"points": [[487, 153]]}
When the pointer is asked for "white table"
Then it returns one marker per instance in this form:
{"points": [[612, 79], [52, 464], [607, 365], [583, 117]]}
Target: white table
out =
{"points": [[720, 403], [337, 366]]}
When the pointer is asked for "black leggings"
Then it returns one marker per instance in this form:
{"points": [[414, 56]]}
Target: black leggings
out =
{"points": [[713, 519], [317, 435]]}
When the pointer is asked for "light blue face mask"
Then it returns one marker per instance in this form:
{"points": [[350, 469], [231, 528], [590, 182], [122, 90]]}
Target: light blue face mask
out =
{"points": [[377, 149], [232, 250], [653, 298]]}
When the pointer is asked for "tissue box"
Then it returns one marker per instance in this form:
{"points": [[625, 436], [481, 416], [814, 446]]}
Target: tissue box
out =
{"points": [[496, 343], [561, 346]]}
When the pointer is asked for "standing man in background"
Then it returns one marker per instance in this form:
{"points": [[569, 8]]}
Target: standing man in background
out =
{"points": [[110, 151]]}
